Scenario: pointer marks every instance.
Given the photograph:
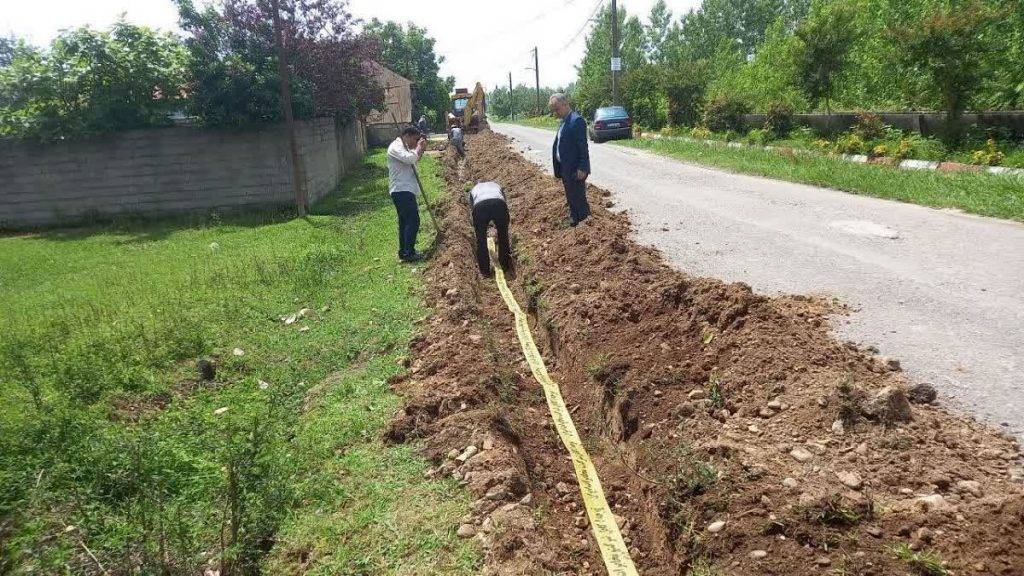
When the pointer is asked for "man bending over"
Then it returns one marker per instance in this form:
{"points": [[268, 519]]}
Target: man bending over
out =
{"points": [[489, 205]]}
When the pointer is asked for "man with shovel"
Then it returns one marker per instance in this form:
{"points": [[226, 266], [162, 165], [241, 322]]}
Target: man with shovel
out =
{"points": [[404, 187]]}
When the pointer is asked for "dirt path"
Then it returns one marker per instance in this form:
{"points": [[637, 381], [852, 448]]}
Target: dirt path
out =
{"points": [[733, 435], [945, 296]]}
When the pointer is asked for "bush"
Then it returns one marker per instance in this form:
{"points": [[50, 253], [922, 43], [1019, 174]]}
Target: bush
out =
{"points": [[684, 91], [919, 147], [1014, 159], [700, 132], [759, 137], [723, 113], [730, 136], [869, 126], [779, 119], [804, 133], [91, 82], [850, 143], [990, 155], [643, 99]]}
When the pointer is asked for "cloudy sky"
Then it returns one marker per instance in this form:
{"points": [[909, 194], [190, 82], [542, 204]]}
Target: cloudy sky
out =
{"points": [[481, 40]]}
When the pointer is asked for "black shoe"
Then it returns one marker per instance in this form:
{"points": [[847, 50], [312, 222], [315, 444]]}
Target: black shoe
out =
{"points": [[409, 258]]}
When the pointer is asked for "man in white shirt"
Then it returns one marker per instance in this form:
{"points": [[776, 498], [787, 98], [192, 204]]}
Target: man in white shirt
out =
{"points": [[488, 204], [403, 154]]}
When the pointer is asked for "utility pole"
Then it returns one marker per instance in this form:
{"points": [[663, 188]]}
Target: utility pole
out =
{"points": [[536, 72], [298, 181], [511, 101], [616, 60]]}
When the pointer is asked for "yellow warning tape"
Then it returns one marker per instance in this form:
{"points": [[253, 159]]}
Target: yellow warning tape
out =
{"points": [[606, 531]]}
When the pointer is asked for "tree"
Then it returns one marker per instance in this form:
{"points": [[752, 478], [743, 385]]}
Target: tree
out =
{"points": [[90, 82], [1002, 84], [409, 52], [594, 88], [523, 97], [685, 85], [826, 37], [658, 32], [234, 65], [642, 90], [739, 23], [7, 46], [949, 46]]}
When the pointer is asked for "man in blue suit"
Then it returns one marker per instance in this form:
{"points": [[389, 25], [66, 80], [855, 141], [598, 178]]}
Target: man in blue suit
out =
{"points": [[571, 157]]}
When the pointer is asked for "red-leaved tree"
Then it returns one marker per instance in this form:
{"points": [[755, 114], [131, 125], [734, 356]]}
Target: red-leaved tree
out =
{"points": [[234, 63]]}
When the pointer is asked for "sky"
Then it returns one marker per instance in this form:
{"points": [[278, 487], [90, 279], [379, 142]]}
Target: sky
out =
{"points": [[481, 40]]}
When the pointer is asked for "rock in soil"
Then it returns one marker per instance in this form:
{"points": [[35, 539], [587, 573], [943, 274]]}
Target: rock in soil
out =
{"points": [[922, 393], [716, 527], [850, 479], [801, 454], [889, 406]]}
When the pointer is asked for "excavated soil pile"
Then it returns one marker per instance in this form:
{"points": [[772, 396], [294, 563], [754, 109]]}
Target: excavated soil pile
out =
{"points": [[732, 433]]}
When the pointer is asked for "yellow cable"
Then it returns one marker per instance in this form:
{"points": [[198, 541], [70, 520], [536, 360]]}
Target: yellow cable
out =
{"points": [[606, 531]]}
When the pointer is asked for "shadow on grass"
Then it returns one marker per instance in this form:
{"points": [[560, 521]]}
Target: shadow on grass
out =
{"points": [[364, 189]]}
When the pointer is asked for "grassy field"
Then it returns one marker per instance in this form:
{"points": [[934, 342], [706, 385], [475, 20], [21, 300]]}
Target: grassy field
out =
{"points": [[115, 457], [547, 121], [984, 194]]}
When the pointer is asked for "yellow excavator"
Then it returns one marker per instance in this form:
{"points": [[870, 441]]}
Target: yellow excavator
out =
{"points": [[469, 110]]}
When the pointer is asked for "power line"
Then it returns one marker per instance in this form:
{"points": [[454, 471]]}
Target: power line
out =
{"points": [[512, 28], [597, 6]]}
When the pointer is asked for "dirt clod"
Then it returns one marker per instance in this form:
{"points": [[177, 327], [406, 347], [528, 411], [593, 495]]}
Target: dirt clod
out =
{"points": [[922, 393]]}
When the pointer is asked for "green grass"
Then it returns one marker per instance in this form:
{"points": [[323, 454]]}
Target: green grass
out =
{"points": [[108, 442], [547, 121], [925, 563], [984, 194]]}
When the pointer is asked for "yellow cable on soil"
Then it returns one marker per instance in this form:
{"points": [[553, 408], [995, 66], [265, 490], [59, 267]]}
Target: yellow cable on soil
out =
{"points": [[606, 531]]}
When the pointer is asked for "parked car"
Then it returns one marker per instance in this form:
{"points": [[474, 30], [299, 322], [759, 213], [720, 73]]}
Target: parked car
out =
{"points": [[610, 123]]}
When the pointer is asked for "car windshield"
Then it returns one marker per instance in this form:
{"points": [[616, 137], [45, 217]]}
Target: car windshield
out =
{"points": [[610, 112]]}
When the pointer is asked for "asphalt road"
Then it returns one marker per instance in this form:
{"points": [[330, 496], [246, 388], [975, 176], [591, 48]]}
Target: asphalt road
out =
{"points": [[940, 290]]}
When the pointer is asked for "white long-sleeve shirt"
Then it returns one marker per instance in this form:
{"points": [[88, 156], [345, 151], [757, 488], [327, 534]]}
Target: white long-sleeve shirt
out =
{"points": [[402, 168]]}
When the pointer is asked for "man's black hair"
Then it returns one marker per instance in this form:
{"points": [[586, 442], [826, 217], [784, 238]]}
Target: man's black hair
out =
{"points": [[411, 131]]}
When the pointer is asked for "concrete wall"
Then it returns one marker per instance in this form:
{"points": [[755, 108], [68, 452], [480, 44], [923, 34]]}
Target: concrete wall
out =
{"points": [[397, 97], [926, 123], [169, 170], [382, 134]]}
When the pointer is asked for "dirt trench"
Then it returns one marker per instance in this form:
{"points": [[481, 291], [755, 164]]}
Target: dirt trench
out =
{"points": [[732, 433]]}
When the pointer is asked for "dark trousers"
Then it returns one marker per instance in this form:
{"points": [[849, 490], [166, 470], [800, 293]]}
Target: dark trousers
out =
{"points": [[485, 212], [408, 222], [576, 198]]}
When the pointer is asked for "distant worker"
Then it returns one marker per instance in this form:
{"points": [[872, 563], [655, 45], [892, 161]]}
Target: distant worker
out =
{"points": [[488, 203], [571, 157], [403, 154], [422, 124], [458, 141]]}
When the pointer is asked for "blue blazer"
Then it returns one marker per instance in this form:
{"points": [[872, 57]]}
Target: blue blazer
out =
{"points": [[572, 148]]}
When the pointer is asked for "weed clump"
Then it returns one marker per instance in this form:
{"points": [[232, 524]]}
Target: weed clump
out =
{"points": [[924, 563], [833, 511]]}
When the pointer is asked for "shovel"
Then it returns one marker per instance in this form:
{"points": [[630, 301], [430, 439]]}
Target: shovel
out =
{"points": [[423, 191]]}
